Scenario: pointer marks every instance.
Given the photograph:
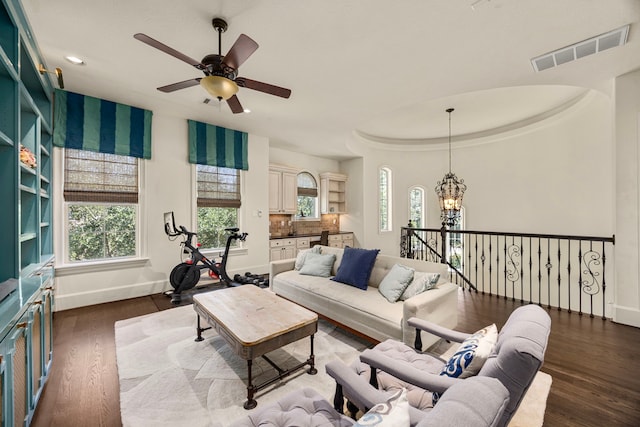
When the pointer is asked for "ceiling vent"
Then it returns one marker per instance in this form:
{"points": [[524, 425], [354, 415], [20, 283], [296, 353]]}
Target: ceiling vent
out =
{"points": [[581, 49]]}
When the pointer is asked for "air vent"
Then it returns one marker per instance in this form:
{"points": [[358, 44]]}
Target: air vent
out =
{"points": [[581, 49]]}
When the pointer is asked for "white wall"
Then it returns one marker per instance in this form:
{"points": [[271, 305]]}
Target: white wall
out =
{"points": [[627, 139], [312, 164], [168, 187], [552, 177]]}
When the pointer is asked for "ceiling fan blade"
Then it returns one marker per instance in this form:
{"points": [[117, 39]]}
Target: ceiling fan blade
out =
{"points": [[169, 50], [234, 104], [241, 50], [263, 87], [180, 85]]}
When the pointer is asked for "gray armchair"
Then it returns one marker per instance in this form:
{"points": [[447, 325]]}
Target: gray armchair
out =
{"points": [[515, 360], [478, 402]]}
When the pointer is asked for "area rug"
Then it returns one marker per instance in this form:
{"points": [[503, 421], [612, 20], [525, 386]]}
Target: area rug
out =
{"points": [[168, 379]]}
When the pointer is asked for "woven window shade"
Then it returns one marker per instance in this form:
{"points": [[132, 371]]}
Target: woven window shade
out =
{"points": [[218, 187], [99, 177]]}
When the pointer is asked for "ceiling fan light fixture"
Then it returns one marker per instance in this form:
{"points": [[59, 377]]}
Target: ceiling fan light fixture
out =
{"points": [[220, 87]]}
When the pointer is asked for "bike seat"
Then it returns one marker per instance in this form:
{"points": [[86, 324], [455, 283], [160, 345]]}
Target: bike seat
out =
{"points": [[232, 230]]}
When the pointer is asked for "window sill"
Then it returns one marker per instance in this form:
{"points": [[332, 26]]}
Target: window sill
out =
{"points": [[216, 253], [98, 266]]}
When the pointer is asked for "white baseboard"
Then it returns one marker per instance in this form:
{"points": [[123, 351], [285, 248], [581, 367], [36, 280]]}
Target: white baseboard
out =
{"points": [[82, 299], [626, 315]]}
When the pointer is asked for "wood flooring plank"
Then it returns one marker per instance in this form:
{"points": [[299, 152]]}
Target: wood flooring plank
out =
{"points": [[592, 362]]}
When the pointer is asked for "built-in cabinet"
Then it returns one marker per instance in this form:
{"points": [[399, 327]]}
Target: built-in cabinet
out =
{"points": [[282, 249], [283, 190], [333, 193], [26, 218], [289, 247]]}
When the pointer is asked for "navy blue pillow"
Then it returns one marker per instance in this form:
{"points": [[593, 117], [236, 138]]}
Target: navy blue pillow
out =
{"points": [[355, 267]]}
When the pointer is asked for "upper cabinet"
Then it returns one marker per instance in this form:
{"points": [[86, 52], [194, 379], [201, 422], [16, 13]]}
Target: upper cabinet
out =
{"points": [[333, 193], [283, 189]]}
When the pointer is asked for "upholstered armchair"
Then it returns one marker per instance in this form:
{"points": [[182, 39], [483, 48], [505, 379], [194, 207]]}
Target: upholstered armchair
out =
{"points": [[478, 402], [514, 359]]}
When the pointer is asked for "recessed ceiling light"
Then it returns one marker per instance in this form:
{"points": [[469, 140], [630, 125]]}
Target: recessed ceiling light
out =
{"points": [[74, 60], [246, 110]]}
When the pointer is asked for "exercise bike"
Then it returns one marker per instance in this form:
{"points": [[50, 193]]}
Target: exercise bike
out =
{"points": [[186, 275]]}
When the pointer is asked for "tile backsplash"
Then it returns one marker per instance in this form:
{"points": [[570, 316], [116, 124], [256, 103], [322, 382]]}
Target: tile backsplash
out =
{"points": [[284, 225]]}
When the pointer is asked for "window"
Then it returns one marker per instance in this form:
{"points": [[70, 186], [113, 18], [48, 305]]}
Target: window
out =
{"points": [[218, 200], [101, 201], [307, 196], [455, 243], [384, 199], [416, 207]]}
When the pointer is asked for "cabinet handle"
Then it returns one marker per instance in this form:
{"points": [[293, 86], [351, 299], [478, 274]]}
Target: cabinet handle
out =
{"points": [[49, 288], [39, 273], [37, 302], [21, 325]]}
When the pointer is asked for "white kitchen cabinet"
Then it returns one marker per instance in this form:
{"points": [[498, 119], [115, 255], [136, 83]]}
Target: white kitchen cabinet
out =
{"points": [[283, 190]]}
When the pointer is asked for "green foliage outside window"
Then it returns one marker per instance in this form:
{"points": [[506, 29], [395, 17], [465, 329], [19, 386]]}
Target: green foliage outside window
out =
{"points": [[101, 231], [211, 225], [307, 206]]}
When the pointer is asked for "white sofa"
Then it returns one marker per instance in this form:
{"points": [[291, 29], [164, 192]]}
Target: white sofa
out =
{"points": [[369, 312]]}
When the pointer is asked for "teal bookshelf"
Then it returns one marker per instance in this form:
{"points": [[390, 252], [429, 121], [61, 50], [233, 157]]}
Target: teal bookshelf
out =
{"points": [[26, 315]]}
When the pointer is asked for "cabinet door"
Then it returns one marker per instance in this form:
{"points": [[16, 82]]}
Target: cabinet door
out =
{"points": [[289, 252], [289, 192], [18, 405], [275, 254], [275, 191]]}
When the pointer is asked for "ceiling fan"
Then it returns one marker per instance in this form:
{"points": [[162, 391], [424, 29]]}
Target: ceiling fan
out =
{"points": [[221, 72]]}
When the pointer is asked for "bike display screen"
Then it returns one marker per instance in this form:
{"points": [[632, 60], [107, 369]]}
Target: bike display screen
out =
{"points": [[170, 224]]}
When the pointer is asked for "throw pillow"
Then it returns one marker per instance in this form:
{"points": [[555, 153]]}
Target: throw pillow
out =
{"points": [[421, 282], [317, 264], [355, 267], [302, 254], [472, 353], [393, 413], [395, 282]]}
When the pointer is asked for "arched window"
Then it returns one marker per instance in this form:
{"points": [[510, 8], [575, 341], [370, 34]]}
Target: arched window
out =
{"points": [[307, 196], [417, 207], [384, 199]]}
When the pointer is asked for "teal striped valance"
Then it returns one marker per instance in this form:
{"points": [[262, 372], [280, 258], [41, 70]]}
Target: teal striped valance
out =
{"points": [[87, 123], [217, 146]]}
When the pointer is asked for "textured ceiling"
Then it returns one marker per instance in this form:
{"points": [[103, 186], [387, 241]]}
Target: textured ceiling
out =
{"points": [[384, 70]]}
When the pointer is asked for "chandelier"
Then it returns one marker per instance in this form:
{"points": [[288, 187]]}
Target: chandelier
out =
{"points": [[450, 191]]}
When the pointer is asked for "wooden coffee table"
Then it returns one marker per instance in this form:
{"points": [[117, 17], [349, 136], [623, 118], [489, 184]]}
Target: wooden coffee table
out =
{"points": [[254, 322]]}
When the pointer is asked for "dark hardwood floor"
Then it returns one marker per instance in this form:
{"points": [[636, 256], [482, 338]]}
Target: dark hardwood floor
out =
{"points": [[594, 364]]}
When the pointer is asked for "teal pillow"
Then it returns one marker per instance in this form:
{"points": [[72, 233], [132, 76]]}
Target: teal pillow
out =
{"points": [[395, 282], [302, 255], [421, 282], [355, 267], [317, 264]]}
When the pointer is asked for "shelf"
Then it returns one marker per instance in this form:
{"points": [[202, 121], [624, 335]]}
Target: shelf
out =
{"points": [[8, 65], [26, 169], [27, 236], [44, 178], [44, 151], [44, 224], [26, 189], [5, 140]]}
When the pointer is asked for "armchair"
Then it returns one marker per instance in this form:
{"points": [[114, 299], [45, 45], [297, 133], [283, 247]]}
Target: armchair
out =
{"points": [[479, 403], [515, 359]]}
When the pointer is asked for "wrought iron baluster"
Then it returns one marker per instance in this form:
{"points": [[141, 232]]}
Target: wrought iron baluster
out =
{"points": [[559, 277], [539, 274], [604, 282], [569, 276], [548, 267], [580, 278]]}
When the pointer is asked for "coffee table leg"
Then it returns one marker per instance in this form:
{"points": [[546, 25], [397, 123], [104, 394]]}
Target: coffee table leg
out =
{"points": [[312, 369], [251, 402], [199, 330]]}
